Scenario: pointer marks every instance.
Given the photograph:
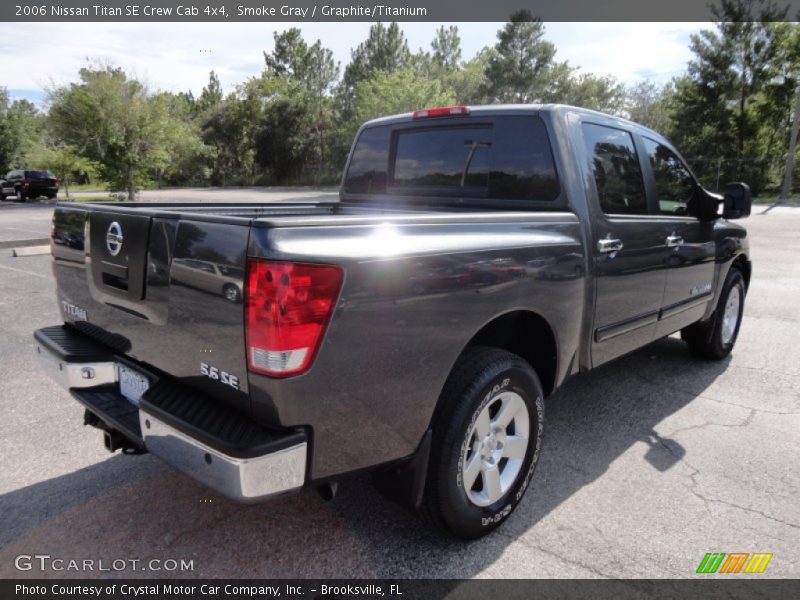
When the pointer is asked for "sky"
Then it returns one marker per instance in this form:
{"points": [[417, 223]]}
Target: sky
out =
{"points": [[178, 57]]}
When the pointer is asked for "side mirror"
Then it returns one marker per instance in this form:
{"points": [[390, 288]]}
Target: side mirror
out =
{"points": [[738, 200], [705, 205]]}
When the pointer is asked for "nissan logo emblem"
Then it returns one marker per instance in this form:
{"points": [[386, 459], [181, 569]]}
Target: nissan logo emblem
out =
{"points": [[114, 239]]}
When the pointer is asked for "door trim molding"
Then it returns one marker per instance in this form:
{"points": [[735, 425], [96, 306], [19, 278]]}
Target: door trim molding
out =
{"points": [[679, 307], [607, 332]]}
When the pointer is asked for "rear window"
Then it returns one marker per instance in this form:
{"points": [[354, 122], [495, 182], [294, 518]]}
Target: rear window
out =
{"points": [[39, 174], [505, 158]]}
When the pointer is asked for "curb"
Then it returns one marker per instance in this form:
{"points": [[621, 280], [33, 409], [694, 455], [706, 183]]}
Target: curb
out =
{"points": [[30, 251], [24, 243]]}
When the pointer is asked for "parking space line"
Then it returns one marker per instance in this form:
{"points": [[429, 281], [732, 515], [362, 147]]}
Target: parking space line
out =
{"points": [[26, 272], [36, 231]]}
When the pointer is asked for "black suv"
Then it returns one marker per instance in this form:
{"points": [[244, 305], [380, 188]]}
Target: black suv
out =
{"points": [[22, 184]]}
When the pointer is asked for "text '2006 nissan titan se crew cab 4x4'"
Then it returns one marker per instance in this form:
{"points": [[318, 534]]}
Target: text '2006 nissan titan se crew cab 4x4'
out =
{"points": [[477, 258]]}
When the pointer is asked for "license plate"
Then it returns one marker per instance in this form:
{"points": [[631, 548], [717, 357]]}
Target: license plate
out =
{"points": [[132, 384]]}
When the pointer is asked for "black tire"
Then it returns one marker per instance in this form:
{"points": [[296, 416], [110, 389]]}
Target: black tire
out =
{"points": [[53, 196], [480, 381], [711, 339], [20, 196], [231, 293]]}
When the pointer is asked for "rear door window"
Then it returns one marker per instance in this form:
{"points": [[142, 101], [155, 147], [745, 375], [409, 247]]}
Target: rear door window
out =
{"points": [[616, 169]]}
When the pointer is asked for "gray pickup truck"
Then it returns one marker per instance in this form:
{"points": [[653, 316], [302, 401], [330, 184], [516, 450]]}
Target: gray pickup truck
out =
{"points": [[476, 258]]}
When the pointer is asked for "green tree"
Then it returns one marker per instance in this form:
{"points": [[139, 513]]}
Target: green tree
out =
{"points": [[7, 143], [296, 116], [521, 64], [311, 66], [386, 49], [184, 158], [776, 103], [446, 46], [721, 109], [111, 120], [398, 91], [21, 131], [649, 104], [227, 129], [210, 96], [603, 93], [469, 81], [65, 162], [283, 136]]}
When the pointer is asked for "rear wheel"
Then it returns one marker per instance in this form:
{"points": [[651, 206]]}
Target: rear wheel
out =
{"points": [[715, 338], [486, 441]]}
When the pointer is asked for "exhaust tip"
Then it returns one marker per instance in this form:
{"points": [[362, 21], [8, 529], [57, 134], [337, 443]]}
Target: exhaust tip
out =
{"points": [[327, 491]]}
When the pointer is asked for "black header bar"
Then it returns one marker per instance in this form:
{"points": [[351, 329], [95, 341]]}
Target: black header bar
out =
{"points": [[707, 588], [360, 10]]}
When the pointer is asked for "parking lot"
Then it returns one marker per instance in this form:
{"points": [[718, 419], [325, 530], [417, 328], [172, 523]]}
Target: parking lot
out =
{"points": [[648, 463]]}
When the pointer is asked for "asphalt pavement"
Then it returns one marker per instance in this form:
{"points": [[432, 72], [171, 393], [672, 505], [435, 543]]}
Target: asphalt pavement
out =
{"points": [[648, 463]]}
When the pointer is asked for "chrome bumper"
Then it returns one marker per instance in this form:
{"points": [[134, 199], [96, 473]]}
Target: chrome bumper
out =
{"points": [[242, 479], [76, 375]]}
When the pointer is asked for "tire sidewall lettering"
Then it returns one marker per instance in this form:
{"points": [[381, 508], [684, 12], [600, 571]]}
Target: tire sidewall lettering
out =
{"points": [[499, 515], [490, 395]]}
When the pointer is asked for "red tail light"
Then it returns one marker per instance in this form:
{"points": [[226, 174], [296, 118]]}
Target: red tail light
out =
{"points": [[56, 182], [287, 307], [26, 182], [440, 111]]}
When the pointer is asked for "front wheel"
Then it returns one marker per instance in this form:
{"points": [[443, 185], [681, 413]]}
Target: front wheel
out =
{"points": [[715, 338], [486, 441]]}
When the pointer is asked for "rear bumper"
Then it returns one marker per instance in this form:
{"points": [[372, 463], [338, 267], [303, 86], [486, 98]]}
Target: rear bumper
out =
{"points": [[208, 441], [242, 479], [43, 189]]}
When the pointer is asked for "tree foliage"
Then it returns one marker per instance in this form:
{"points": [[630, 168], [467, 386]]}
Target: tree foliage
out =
{"points": [[21, 131], [446, 46], [386, 49], [114, 122], [520, 66], [66, 163], [650, 104], [735, 97]]}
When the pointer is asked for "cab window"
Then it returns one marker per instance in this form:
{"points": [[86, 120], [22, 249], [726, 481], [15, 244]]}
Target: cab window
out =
{"points": [[616, 170], [675, 185]]}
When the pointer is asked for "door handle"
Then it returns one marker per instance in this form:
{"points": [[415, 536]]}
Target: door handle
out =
{"points": [[674, 240], [607, 245]]}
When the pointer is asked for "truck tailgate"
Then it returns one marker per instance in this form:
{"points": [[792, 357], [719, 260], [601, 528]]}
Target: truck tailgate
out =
{"points": [[162, 288]]}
